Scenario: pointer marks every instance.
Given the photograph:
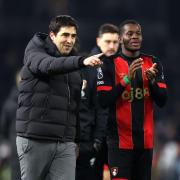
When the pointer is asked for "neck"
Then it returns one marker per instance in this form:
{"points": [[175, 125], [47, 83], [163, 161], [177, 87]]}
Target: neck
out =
{"points": [[131, 54]]}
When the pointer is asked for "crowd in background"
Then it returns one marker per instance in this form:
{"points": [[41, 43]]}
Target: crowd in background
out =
{"points": [[20, 19]]}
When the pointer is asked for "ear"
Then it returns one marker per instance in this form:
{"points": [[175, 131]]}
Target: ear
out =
{"points": [[97, 41], [120, 39], [52, 35]]}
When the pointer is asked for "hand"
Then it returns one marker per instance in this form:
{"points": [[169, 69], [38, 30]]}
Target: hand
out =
{"points": [[151, 73], [93, 60], [135, 65]]}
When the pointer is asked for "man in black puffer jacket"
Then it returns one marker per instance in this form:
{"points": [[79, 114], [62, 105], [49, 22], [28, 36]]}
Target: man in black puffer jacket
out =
{"points": [[50, 86]]}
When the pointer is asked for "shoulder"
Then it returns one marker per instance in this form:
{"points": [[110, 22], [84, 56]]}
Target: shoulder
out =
{"points": [[37, 41], [154, 58]]}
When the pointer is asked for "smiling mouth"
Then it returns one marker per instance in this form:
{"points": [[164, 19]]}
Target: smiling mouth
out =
{"points": [[68, 47], [135, 43]]}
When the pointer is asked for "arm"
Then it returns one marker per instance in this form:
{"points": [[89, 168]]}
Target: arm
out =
{"points": [[100, 114], [108, 90], [39, 62], [101, 119], [157, 85]]}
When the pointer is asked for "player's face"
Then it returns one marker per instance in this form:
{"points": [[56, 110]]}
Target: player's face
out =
{"points": [[108, 43], [64, 39], [131, 38]]}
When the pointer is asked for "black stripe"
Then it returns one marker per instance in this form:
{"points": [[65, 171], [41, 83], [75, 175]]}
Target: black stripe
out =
{"points": [[137, 107]]}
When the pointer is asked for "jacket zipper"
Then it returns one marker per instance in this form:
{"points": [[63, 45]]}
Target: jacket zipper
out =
{"points": [[69, 102], [69, 93]]}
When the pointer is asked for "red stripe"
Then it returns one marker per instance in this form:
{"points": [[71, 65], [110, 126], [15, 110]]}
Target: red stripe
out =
{"points": [[104, 88], [123, 108], [148, 109], [162, 85]]}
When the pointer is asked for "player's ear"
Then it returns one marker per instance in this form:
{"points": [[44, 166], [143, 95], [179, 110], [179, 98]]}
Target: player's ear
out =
{"points": [[120, 39], [98, 41], [52, 35]]}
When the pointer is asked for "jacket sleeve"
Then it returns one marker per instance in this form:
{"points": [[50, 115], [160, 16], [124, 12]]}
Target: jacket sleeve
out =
{"points": [[78, 130], [99, 115], [101, 121], [158, 89], [106, 89], [39, 62]]}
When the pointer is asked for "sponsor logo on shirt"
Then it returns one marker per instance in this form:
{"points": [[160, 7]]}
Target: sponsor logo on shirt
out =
{"points": [[137, 93]]}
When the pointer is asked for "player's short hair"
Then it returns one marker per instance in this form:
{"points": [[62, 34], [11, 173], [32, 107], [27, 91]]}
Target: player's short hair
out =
{"points": [[108, 28], [62, 21], [128, 21]]}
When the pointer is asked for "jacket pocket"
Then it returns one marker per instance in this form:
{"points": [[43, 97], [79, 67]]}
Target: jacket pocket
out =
{"points": [[23, 145]]}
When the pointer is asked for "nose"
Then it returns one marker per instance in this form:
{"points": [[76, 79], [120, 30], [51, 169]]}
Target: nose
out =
{"points": [[135, 35], [111, 45], [69, 39]]}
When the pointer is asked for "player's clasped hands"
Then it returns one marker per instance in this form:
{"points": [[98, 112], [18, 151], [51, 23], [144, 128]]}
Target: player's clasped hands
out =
{"points": [[135, 65]]}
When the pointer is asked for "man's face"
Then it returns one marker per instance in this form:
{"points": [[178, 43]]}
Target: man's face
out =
{"points": [[131, 37], [64, 39], [108, 43]]}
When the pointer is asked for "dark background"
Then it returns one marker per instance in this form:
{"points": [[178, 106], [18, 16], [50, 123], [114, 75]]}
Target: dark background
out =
{"points": [[20, 19]]}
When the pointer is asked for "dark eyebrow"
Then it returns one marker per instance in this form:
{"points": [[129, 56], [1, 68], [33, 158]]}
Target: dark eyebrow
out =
{"points": [[67, 34]]}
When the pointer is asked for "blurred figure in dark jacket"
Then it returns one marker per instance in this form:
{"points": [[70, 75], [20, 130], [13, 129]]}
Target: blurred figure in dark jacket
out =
{"points": [[93, 118], [8, 129]]}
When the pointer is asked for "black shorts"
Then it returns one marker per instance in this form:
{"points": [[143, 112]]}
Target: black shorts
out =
{"points": [[130, 164]]}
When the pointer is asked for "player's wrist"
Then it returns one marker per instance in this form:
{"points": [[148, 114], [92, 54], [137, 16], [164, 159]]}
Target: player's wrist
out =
{"points": [[126, 80]]}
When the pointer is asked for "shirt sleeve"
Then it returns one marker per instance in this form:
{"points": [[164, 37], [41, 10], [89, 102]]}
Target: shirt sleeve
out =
{"points": [[158, 89], [106, 89]]}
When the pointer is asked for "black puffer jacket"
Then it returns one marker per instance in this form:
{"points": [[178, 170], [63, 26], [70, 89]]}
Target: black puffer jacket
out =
{"points": [[49, 92]]}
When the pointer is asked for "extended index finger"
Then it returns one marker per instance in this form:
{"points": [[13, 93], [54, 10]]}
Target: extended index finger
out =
{"points": [[99, 55]]}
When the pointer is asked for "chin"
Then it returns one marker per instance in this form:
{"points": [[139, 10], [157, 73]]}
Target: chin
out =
{"points": [[135, 49], [109, 54], [66, 52]]}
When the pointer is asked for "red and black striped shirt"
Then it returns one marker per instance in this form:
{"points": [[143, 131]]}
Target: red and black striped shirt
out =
{"points": [[131, 123]]}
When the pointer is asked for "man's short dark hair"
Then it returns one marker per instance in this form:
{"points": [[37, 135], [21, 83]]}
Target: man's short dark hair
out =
{"points": [[128, 21], [62, 21], [108, 28]]}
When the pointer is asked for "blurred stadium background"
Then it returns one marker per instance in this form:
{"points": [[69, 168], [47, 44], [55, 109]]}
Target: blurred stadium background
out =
{"points": [[20, 19]]}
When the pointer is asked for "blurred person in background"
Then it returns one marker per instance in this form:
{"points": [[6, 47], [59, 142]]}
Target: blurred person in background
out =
{"points": [[8, 129], [47, 123], [129, 84], [93, 118], [168, 162]]}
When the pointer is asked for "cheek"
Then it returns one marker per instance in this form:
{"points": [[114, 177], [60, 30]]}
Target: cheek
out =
{"points": [[116, 46], [125, 42], [74, 41]]}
